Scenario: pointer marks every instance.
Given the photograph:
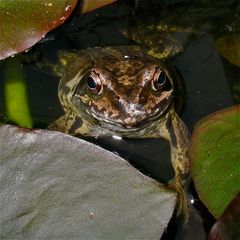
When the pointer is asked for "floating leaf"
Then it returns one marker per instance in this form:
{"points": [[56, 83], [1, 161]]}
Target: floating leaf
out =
{"points": [[228, 225], [24, 23], [215, 156], [90, 5], [54, 186], [229, 47]]}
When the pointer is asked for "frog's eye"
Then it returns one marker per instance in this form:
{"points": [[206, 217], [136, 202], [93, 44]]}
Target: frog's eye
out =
{"points": [[94, 84], [160, 81]]}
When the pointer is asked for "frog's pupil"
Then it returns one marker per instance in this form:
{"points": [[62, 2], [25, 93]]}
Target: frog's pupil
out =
{"points": [[91, 83], [162, 78]]}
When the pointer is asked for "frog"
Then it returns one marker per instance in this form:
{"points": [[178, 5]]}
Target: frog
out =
{"points": [[124, 91]]}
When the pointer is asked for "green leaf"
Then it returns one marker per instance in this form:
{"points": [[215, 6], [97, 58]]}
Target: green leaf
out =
{"points": [[15, 93], [215, 156], [24, 23], [228, 46], [228, 225], [90, 5], [55, 186]]}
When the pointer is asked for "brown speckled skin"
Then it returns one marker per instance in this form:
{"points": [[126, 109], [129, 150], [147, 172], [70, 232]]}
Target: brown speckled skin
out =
{"points": [[127, 105]]}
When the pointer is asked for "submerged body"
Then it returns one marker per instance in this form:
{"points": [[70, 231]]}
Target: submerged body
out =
{"points": [[123, 91]]}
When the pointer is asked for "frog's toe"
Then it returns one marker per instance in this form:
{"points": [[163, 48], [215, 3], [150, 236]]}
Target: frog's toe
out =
{"points": [[183, 200]]}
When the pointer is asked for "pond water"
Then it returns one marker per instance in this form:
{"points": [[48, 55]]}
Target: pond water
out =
{"points": [[202, 68]]}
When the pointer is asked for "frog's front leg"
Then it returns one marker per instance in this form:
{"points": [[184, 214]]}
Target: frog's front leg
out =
{"points": [[179, 140], [175, 131], [71, 124]]}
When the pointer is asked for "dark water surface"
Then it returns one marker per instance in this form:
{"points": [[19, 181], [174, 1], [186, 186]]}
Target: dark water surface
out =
{"points": [[202, 68]]}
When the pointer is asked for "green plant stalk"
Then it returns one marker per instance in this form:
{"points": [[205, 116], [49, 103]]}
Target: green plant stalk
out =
{"points": [[15, 92]]}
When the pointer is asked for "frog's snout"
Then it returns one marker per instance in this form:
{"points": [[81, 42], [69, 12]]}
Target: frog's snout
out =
{"points": [[135, 109], [134, 114]]}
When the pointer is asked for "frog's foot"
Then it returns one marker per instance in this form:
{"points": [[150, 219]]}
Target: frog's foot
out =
{"points": [[66, 124], [161, 44], [183, 201], [60, 124]]}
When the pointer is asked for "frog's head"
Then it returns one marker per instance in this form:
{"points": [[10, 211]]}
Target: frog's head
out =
{"points": [[118, 91]]}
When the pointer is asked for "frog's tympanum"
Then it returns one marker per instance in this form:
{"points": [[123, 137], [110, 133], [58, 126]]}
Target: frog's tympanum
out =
{"points": [[125, 92]]}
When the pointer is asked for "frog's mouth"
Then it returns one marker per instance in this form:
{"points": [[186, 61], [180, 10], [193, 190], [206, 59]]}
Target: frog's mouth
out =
{"points": [[132, 121]]}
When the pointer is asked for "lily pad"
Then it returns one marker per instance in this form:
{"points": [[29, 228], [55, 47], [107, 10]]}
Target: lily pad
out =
{"points": [[55, 186], [228, 225], [215, 156], [24, 23], [90, 5]]}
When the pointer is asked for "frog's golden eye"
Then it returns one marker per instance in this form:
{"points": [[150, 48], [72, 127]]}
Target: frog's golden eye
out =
{"points": [[94, 84], [160, 81]]}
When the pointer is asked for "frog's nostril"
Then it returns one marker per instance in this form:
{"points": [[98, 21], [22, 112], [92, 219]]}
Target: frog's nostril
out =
{"points": [[142, 98], [135, 108]]}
